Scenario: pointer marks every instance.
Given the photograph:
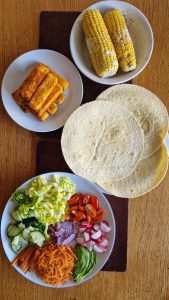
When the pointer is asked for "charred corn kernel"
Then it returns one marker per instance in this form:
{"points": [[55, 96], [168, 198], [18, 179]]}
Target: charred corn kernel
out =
{"points": [[121, 39], [99, 44], [52, 109], [60, 99]]}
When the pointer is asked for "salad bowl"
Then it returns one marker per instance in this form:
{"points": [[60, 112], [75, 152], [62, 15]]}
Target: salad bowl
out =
{"points": [[82, 186]]}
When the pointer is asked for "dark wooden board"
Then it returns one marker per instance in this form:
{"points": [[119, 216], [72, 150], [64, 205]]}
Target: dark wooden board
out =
{"points": [[55, 30]]}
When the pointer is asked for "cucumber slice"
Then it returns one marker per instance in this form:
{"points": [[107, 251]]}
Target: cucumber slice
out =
{"points": [[15, 215], [36, 237], [25, 234], [17, 248], [16, 244], [13, 230], [15, 241], [30, 228], [21, 226], [22, 240]]}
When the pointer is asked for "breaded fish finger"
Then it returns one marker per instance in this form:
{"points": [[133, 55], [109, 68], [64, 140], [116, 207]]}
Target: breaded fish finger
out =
{"points": [[52, 109], [60, 99], [51, 99], [31, 83], [42, 118], [62, 81], [43, 91], [20, 101]]}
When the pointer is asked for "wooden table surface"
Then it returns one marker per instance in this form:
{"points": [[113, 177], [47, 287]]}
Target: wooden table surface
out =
{"points": [[147, 275]]}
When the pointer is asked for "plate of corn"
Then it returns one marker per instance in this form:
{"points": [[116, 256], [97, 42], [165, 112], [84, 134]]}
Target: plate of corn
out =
{"points": [[111, 42]]}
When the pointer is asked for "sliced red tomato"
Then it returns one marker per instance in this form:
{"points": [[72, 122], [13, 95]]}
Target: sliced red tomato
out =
{"points": [[74, 207], [79, 216], [89, 219], [74, 212], [94, 201], [81, 208], [74, 200], [91, 211], [71, 217], [99, 215], [86, 198]]}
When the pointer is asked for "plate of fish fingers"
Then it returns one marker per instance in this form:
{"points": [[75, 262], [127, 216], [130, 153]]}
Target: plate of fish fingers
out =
{"points": [[40, 90]]}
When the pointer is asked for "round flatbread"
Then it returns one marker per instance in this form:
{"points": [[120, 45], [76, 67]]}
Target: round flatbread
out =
{"points": [[147, 175], [102, 141], [147, 108]]}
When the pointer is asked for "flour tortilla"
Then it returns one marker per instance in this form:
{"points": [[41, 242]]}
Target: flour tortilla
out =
{"points": [[147, 108], [147, 175], [102, 141]]}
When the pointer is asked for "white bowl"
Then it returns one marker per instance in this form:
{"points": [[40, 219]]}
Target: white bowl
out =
{"points": [[141, 34], [83, 186]]}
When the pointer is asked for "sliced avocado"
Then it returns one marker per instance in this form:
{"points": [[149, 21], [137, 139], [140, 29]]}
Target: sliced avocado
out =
{"points": [[91, 265], [86, 263], [82, 274], [81, 261], [80, 266]]}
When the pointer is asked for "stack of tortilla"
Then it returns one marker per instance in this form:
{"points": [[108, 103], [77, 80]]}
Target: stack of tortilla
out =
{"points": [[118, 141]]}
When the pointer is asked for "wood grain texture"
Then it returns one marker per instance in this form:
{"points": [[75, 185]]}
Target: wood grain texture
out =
{"points": [[147, 276]]}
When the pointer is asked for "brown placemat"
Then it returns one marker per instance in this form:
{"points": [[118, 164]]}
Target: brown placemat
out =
{"points": [[55, 30]]}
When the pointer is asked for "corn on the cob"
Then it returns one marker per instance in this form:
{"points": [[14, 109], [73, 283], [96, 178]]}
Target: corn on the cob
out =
{"points": [[99, 44], [121, 39]]}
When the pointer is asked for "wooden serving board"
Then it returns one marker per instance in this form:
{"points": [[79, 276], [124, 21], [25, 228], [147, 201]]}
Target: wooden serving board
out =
{"points": [[55, 30]]}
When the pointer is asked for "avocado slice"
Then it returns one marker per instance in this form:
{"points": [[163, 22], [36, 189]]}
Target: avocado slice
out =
{"points": [[86, 263], [83, 261], [82, 264], [91, 265]]}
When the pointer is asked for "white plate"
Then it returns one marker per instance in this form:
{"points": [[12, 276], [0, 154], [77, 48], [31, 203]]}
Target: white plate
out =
{"points": [[83, 186], [17, 72], [141, 34]]}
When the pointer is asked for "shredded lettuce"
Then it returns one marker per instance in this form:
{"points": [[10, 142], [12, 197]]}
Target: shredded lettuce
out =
{"points": [[20, 197], [45, 200]]}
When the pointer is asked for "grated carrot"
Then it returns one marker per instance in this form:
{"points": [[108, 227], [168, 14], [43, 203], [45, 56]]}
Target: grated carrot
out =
{"points": [[55, 263]]}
